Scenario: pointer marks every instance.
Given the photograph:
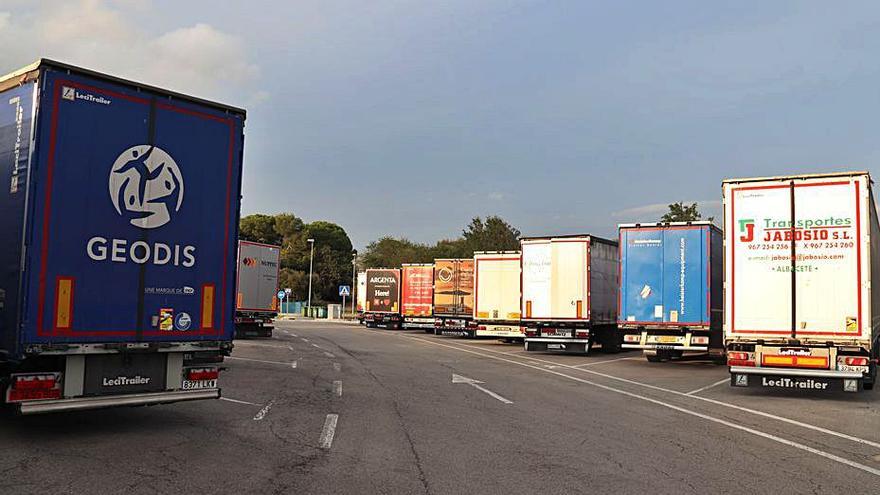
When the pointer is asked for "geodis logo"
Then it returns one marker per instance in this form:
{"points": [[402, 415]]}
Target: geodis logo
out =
{"points": [[146, 189], [249, 262]]}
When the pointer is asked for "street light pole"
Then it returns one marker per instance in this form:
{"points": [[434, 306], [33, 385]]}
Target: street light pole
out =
{"points": [[311, 264]]}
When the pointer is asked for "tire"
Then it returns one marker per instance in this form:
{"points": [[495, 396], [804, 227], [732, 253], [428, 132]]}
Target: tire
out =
{"points": [[653, 358], [868, 386], [611, 344]]}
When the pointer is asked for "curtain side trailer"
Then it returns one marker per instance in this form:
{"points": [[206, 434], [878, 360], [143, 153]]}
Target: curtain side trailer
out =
{"points": [[569, 293], [120, 210], [671, 282]]}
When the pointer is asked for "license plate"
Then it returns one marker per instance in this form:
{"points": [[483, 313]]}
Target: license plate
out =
{"points": [[846, 367], [667, 339], [559, 333], [662, 347], [556, 346], [196, 385]]}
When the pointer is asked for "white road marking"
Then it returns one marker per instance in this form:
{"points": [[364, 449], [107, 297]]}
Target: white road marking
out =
{"points": [[305, 339], [476, 385], [337, 367], [329, 354], [316, 345], [326, 440], [628, 358], [227, 399], [294, 335], [715, 402], [293, 364], [264, 411], [285, 332], [257, 344], [707, 387], [768, 436], [290, 347], [337, 388], [257, 360]]}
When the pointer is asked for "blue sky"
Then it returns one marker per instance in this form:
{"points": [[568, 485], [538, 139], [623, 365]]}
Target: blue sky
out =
{"points": [[407, 118]]}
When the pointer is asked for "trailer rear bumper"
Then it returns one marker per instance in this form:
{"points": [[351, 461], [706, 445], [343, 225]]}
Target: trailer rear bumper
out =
{"points": [[665, 347], [539, 344], [145, 399], [797, 379]]}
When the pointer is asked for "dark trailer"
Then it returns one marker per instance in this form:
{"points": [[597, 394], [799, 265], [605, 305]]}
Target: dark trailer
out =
{"points": [[120, 208]]}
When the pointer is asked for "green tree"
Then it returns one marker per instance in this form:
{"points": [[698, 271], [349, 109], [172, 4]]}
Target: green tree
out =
{"points": [[680, 212], [259, 228], [492, 235], [389, 252]]}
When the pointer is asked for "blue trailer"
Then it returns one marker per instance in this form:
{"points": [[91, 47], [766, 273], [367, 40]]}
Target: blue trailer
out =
{"points": [[671, 289], [120, 210]]}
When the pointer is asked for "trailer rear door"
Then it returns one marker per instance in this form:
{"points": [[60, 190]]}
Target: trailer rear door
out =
{"points": [[822, 223], [135, 199]]}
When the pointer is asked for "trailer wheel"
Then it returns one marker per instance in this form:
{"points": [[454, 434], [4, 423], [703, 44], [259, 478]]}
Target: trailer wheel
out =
{"points": [[653, 358], [868, 385], [611, 344]]}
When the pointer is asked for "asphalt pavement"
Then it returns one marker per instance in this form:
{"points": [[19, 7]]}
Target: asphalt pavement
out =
{"points": [[331, 408]]}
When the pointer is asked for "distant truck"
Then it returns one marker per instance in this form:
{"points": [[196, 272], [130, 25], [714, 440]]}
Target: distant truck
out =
{"points": [[417, 296], [569, 293], [671, 282], [361, 295], [120, 217], [256, 302], [454, 296], [497, 286], [802, 260], [382, 305]]}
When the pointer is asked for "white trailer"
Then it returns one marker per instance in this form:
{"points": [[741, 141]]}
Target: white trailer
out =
{"points": [[361, 295], [569, 293], [256, 301], [799, 271], [497, 284]]}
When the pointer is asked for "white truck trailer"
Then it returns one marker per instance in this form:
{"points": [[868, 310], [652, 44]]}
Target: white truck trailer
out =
{"points": [[497, 287], [801, 255], [569, 293]]}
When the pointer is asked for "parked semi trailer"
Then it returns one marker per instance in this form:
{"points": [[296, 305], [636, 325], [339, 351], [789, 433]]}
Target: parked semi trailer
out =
{"points": [[569, 293], [802, 256], [417, 296], [671, 283], [120, 217], [382, 305], [454, 296], [256, 302], [497, 284], [361, 295]]}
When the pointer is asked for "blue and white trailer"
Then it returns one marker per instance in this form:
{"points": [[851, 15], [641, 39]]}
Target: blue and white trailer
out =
{"points": [[120, 207], [671, 283]]}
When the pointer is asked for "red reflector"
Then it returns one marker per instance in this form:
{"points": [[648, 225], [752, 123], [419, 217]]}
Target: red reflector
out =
{"points": [[482, 327], [33, 394], [856, 361], [631, 338], [739, 362], [741, 356], [201, 374], [34, 382]]}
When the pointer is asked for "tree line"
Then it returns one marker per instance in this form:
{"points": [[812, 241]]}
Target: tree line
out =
{"points": [[334, 254]]}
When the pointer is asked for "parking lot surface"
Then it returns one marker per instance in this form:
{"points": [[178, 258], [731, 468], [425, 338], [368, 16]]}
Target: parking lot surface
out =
{"points": [[330, 408]]}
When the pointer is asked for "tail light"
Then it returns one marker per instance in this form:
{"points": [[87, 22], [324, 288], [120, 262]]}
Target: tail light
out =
{"points": [[39, 386], [582, 334], [531, 332], [737, 358], [854, 361], [632, 338], [701, 340], [202, 374], [481, 327]]}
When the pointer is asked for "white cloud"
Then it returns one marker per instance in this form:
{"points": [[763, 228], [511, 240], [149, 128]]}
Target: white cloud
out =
{"points": [[118, 37], [496, 196]]}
